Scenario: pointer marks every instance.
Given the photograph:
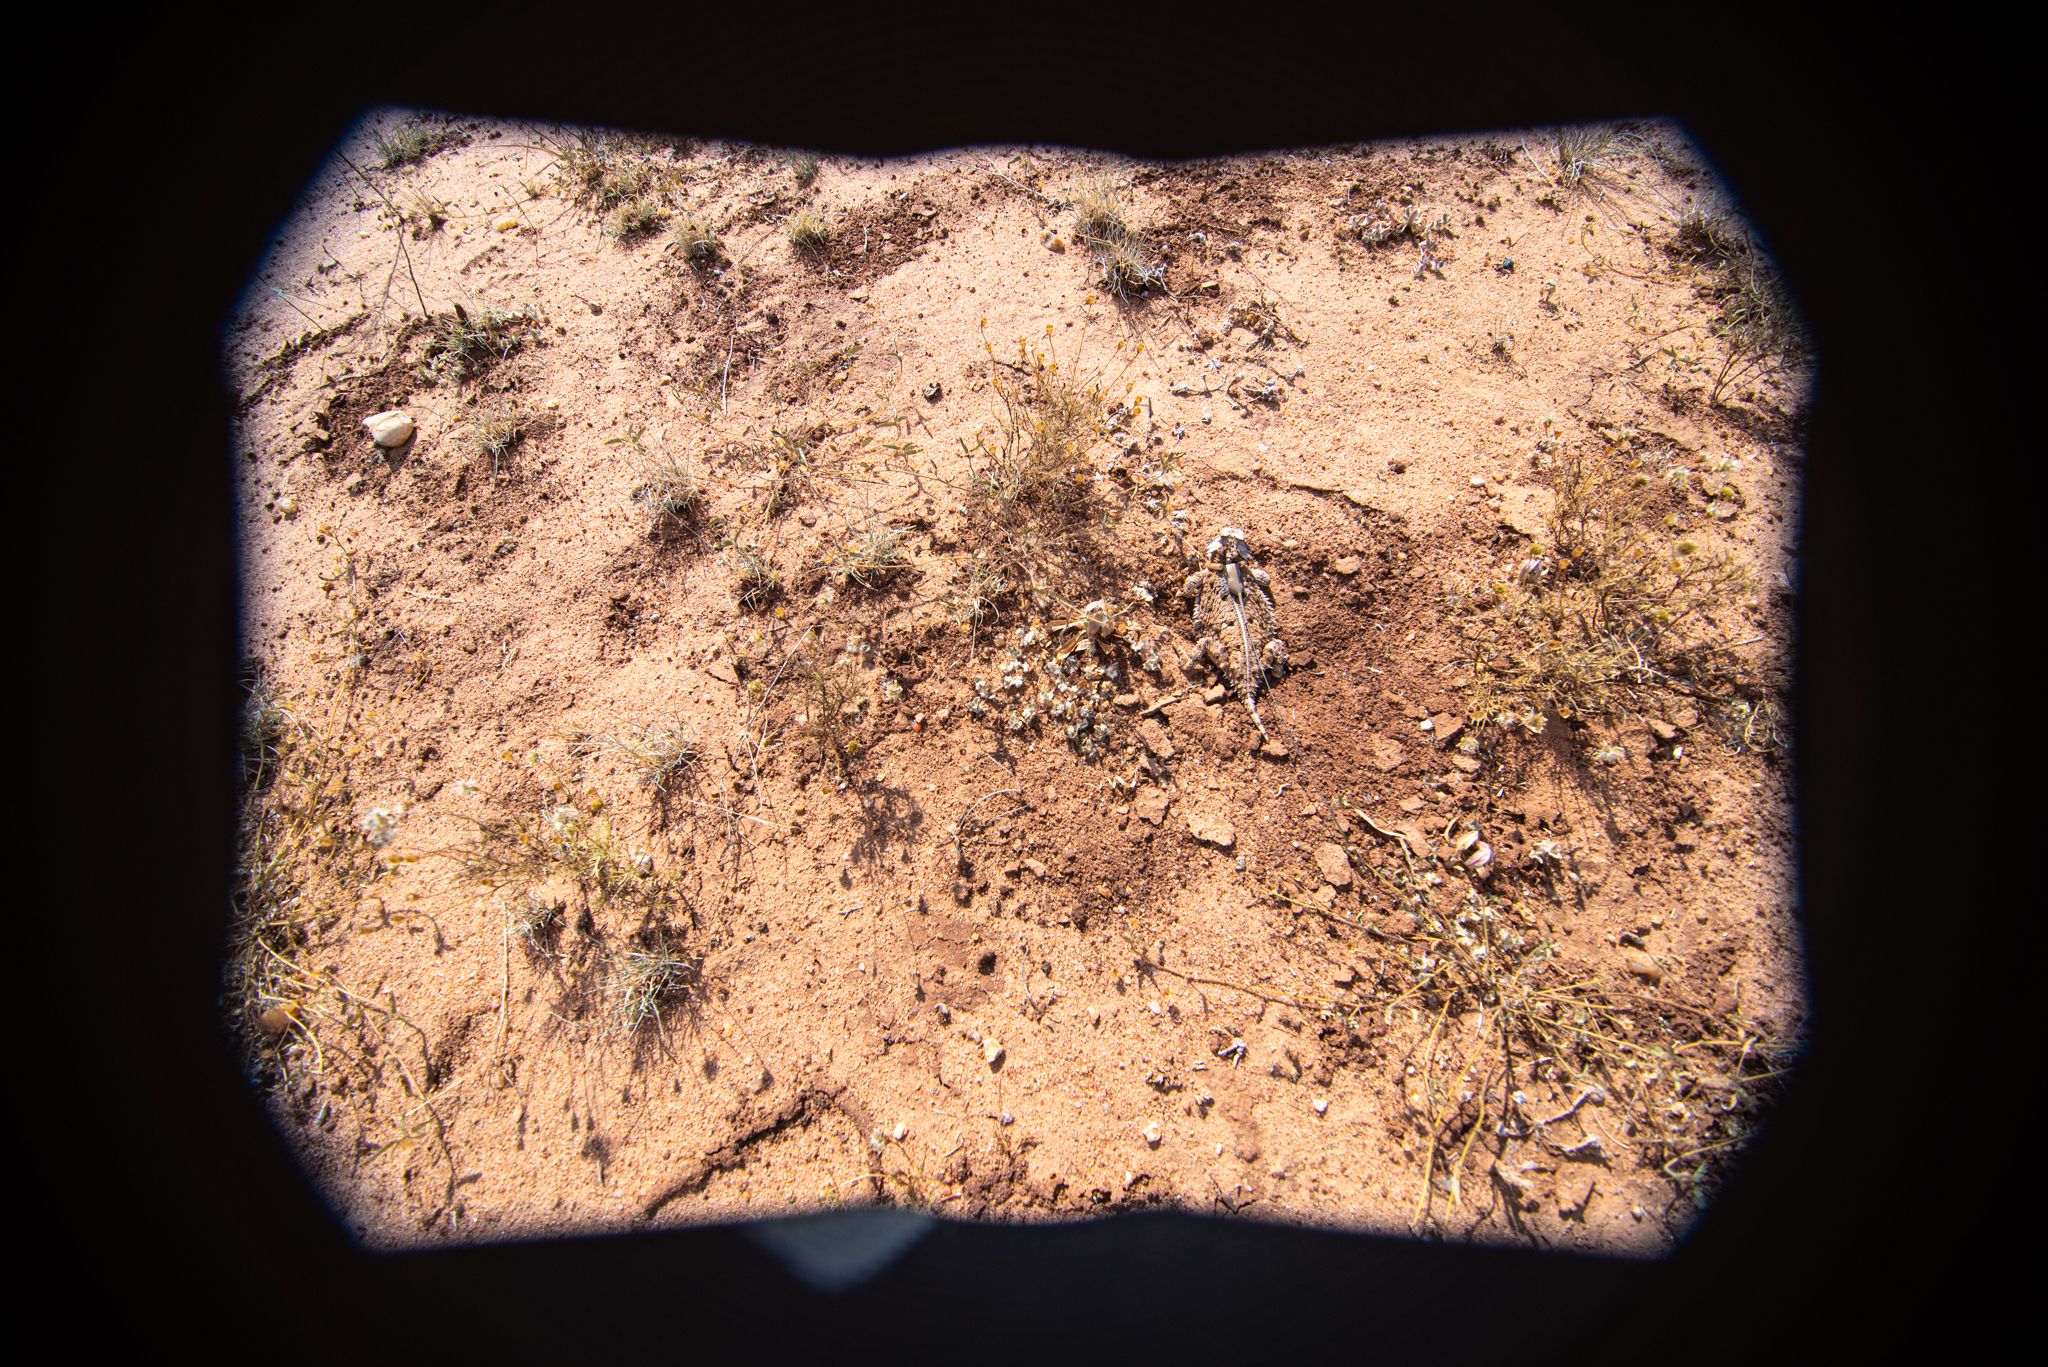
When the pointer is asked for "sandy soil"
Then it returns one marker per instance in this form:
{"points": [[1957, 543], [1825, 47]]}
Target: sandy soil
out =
{"points": [[916, 955]]}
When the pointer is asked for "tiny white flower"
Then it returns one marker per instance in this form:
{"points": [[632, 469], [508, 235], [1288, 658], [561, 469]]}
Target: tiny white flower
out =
{"points": [[379, 827]]}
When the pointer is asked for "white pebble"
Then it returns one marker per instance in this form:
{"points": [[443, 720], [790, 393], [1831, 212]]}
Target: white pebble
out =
{"points": [[389, 429]]}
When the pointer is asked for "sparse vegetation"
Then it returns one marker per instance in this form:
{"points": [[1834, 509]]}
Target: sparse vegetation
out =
{"points": [[848, 680], [792, 471], [1610, 613], [1683, 1084], [1759, 326], [661, 754], [1036, 458], [669, 485], [803, 168], [832, 709], [807, 232], [635, 218], [466, 342], [755, 582], [695, 241], [645, 981], [498, 429], [562, 838]]}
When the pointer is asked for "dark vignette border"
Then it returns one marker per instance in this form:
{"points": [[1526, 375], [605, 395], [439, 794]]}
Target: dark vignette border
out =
{"points": [[152, 169]]}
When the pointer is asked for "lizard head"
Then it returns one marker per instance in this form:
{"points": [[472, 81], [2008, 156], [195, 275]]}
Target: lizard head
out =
{"points": [[1229, 545]]}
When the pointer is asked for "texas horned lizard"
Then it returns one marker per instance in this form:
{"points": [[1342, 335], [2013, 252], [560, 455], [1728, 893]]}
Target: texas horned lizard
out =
{"points": [[1237, 633]]}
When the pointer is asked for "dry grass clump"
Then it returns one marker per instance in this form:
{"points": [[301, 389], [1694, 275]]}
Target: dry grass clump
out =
{"points": [[669, 486], [498, 430], [534, 917], [661, 754], [1612, 612], [755, 582], [873, 556], [832, 712], [1583, 150], [1124, 265], [466, 342], [645, 981], [807, 232], [1098, 212], [410, 142], [1035, 460], [635, 218], [803, 168], [695, 241], [605, 170]]}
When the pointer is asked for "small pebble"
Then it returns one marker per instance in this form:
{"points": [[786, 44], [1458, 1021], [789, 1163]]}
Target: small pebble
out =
{"points": [[1152, 1134], [1322, 1105]]}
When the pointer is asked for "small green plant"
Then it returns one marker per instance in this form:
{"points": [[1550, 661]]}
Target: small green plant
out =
{"points": [[466, 342], [755, 582], [695, 241], [807, 232]]}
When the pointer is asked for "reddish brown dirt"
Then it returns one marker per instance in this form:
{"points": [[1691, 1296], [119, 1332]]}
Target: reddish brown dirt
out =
{"points": [[1076, 1006]]}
